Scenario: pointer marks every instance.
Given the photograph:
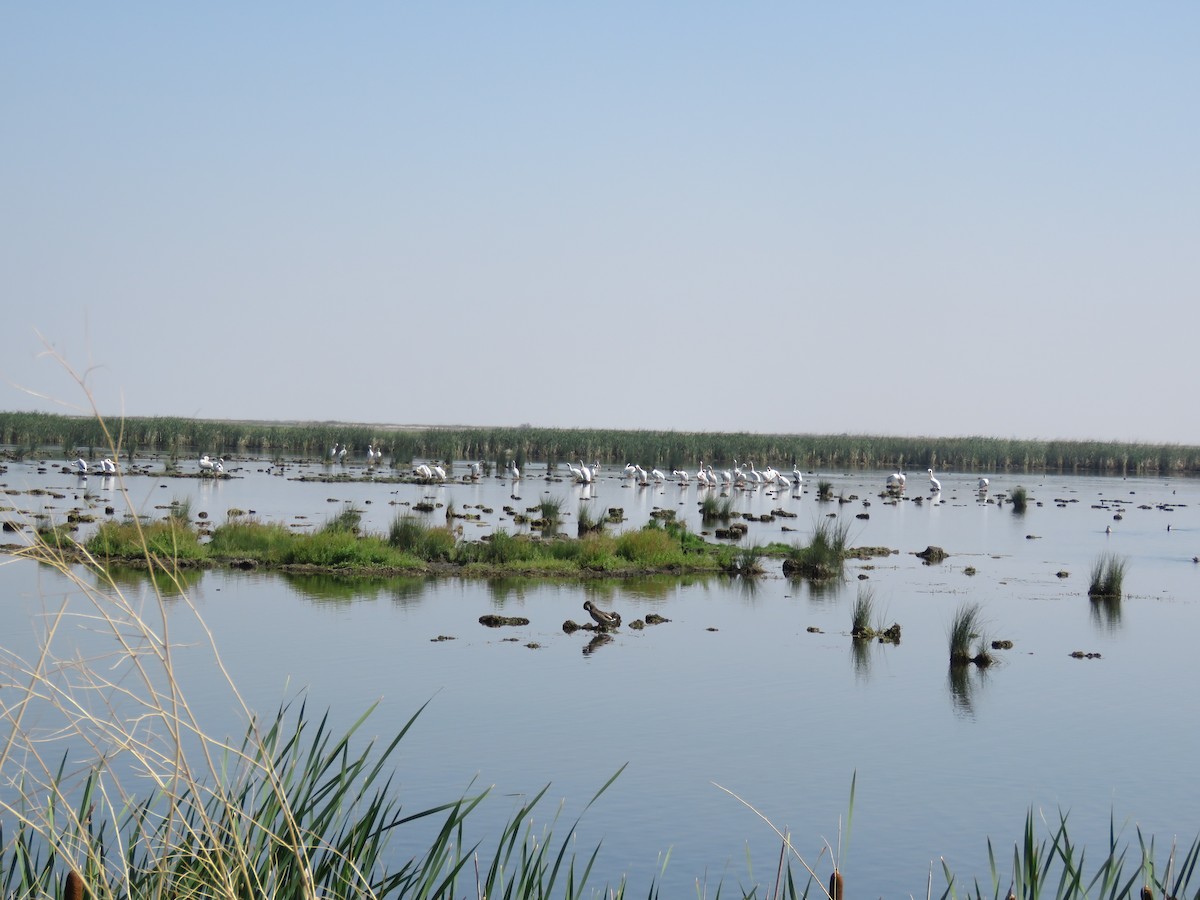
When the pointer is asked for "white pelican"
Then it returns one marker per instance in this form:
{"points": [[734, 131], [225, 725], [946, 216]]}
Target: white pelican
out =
{"points": [[81, 465], [585, 473], [334, 452], [799, 479], [657, 475], [681, 475], [577, 474], [342, 453], [439, 472], [934, 484], [423, 471], [513, 472], [476, 471], [108, 466], [630, 470], [701, 475], [983, 485], [893, 482], [206, 464]]}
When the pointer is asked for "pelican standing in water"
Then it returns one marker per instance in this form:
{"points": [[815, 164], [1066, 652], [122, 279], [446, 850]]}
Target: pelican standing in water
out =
{"points": [[934, 484], [81, 465], [601, 617], [983, 485]]}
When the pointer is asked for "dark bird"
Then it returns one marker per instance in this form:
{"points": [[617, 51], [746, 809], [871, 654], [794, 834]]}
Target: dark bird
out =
{"points": [[602, 618]]}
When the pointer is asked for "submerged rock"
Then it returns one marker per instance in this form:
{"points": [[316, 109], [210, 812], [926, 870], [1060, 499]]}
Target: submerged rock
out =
{"points": [[497, 621]]}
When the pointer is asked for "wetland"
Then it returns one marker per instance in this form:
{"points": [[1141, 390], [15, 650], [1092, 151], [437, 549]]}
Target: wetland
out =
{"points": [[750, 682]]}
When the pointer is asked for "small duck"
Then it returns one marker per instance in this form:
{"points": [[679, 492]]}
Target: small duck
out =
{"points": [[601, 617]]}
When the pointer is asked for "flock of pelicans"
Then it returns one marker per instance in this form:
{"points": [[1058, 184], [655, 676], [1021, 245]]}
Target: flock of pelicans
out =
{"points": [[706, 476]]}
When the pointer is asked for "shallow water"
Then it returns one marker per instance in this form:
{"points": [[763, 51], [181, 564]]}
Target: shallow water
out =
{"points": [[734, 690]]}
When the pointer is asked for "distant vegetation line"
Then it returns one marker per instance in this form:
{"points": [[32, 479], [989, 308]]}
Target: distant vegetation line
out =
{"points": [[34, 432]]}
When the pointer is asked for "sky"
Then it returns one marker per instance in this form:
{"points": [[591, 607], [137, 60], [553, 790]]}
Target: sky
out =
{"points": [[923, 218]]}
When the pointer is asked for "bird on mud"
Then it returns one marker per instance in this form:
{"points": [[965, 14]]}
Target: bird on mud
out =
{"points": [[601, 617]]}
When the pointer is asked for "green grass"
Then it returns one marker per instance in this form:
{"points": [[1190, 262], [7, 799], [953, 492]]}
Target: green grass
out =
{"points": [[716, 509], [550, 512], [587, 521], [862, 612], [1019, 498], [965, 627], [1108, 577], [824, 490], [824, 557]]}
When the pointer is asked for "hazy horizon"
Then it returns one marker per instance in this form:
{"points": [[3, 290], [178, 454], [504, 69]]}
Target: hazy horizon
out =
{"points": [[925, 219]]}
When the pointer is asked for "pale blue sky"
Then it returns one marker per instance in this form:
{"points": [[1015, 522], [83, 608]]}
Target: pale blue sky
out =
{"points": [[919, 218]]}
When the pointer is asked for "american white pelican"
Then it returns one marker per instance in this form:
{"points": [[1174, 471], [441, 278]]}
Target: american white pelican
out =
{"points": [[423, 471], [476, 471], [683, 476], [657, 475], [81, 465], [439, 473], [893, 482], [576, 473], [342, 453], [983, 485], [630, 470], [206, 464], [586, 473], [934, 484], [796, 476], [108, 466], [513, 472], [701, 475]]}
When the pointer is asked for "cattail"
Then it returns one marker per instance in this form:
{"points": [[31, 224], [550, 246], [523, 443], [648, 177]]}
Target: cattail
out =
{"points": [[835, 885], [74, 890]]}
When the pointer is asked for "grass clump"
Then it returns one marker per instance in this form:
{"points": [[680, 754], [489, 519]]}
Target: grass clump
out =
{"points": [[348, 520], [714, 509], [1108, 577], [825, 555], [550, 513], [588, 522], [965, 627], [824, 490], [180, 510], [862, 613], [1019, 499]]}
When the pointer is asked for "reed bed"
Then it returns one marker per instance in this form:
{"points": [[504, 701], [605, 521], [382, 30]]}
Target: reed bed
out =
{"points": [[182, 436]]}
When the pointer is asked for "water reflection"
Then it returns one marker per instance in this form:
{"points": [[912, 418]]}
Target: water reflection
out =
{"points": [[166, 584], [1106, 612], [861, 650], [596, 643], [504, 589], [964, 680], [340, 589]]}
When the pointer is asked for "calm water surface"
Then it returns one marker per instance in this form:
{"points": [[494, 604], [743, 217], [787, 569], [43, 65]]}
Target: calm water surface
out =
{"points": [[734, 690]]}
